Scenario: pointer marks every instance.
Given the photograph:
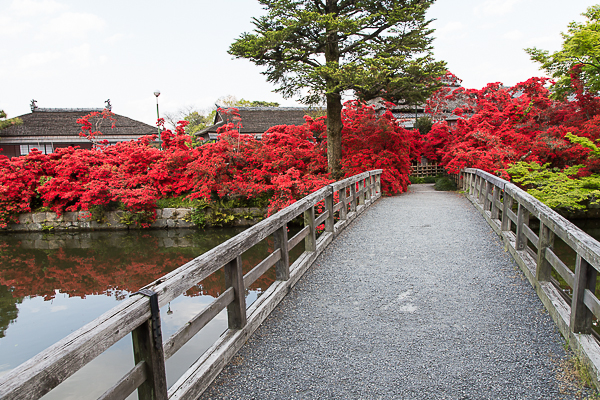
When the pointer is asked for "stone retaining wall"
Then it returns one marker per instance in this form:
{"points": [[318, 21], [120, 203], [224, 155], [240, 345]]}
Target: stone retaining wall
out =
{"points": [[166, 218]]}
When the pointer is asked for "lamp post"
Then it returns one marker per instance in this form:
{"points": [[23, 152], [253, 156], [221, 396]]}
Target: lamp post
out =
{"points": [[157, 93]]}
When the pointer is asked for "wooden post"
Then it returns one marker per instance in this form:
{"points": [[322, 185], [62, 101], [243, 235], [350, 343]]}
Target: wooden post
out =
{"points": [[330, 220], [148, 347], [236, 310], [282, 268], [368, 188], [522, 219], [486, 200], [378, 183], [495, 200], [546, 240], [482, 185], [343, 200], [310, 242], [507, 203], [585, 278], [361, 191], [353, 196]]}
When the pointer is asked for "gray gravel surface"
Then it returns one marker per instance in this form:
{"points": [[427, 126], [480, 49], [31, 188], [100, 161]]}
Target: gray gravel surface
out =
{"points": [[416, 299]]}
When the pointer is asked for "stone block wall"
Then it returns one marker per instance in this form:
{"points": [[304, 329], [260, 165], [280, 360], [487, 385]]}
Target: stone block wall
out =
{"points": [[166, 218]]}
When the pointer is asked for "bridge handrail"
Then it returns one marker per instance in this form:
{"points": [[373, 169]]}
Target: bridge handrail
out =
{"points": [[40, 374], [534, 252]]}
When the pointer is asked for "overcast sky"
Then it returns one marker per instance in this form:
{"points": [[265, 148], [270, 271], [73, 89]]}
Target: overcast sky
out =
{"points": [[67, 53]]}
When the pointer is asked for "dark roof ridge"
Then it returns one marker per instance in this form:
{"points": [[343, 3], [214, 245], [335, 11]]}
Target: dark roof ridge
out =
{"points": [[68, 109], [271, 108]]}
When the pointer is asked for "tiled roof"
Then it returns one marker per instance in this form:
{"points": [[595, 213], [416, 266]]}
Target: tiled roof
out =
{"points": [[44, 122], [257, 120]]}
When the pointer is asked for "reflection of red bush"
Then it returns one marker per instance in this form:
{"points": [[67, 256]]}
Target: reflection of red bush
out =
{"points": [[82, 272]]}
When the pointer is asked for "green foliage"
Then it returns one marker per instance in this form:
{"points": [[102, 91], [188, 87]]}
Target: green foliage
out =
{"points": [[375, 48], [182, 201], [424, 125], [424, 179], [580, 46], [444, 184], [139, 218], [197, 122], [256, 103], [98, 213], [584, 142], [557, 188], [5, 123]]}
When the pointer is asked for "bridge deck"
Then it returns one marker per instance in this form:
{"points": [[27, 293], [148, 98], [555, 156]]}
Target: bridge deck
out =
{"points": [[417, 299]]}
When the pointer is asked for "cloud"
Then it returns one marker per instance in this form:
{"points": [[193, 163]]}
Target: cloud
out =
{"points": [[495, 7], [450, 27], [31, 7], [10, 27], [117, 37], [71, 24], [36, 60], [513, 35], [80, 56]]}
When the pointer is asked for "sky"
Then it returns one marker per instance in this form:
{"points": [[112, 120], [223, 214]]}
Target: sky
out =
{"points": [[76, 54]]}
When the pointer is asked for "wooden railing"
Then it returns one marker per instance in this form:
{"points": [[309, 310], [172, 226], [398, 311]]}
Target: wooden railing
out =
{"points": [[140, 314], [511, 211], [421, 170]]}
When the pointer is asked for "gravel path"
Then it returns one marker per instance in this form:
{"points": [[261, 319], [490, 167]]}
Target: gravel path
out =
{"points": [[416, 299]]}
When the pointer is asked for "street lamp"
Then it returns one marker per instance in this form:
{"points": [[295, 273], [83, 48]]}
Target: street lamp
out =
{"points": [[157, 93]]}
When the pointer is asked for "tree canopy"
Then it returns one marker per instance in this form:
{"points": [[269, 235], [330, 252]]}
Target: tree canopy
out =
{"points": [[5, 123], [581, 46], [319, 49]]}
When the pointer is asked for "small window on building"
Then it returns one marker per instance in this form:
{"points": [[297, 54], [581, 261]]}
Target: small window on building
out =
{"points": [[44, 148]]}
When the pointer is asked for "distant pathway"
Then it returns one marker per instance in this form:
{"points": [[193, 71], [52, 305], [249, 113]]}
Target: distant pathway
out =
{"points": [[416, 299]]}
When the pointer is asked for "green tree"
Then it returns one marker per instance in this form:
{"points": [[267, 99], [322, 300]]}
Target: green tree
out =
{"points": [[5, 123], [581, 45], [319, 49]]}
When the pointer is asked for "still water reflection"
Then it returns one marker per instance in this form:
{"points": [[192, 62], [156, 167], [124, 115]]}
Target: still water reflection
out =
{"points": [[51, 285]]}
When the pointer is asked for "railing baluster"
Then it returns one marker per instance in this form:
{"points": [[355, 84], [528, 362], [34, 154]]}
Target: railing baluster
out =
{"points": [[330, 220], [361, 191], [344, 201], [507, 203], [282, 268], [486, 200], [543, 270], [585, 278], [482, 185], [310, 241], [147, 347], [522, 219], [353, 196], [495, 200], [378, 183], [236, 311]]}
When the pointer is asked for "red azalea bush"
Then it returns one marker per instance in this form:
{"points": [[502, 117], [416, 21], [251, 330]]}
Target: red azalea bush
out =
{"points": [[288, 163], [499, 126]]}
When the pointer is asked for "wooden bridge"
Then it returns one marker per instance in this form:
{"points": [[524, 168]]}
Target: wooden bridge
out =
{"points": [[511, 213]]}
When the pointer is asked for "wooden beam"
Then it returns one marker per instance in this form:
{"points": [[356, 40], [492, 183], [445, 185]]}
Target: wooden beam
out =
{"points": [[236, 310]]}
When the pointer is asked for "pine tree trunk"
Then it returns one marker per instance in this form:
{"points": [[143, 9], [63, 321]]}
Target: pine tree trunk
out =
{"points": [[334, 135]]}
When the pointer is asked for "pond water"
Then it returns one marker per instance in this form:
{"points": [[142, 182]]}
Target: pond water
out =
{"points": [[53, 284]]}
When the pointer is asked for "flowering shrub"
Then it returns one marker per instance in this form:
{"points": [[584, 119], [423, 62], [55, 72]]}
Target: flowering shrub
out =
{"points": [[501, 126], [288, 163]]}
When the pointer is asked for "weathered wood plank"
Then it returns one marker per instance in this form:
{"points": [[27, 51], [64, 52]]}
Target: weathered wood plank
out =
{"points": [[310, 241], [149, 349], [321, 218], [512, 216], [189, 330], [330, 219], [585, 278], [234, 278], [560, 267], [282, 269], [546, 241], [261, 268], [592, 302], [127, 385], [293, 242], [533, 238], [496, 205], [522, 221], [338, 206]]}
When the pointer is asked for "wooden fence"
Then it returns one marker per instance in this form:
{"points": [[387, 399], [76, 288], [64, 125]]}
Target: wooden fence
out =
{"points": [[421, 170], [510, 211], [140, 314]]}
